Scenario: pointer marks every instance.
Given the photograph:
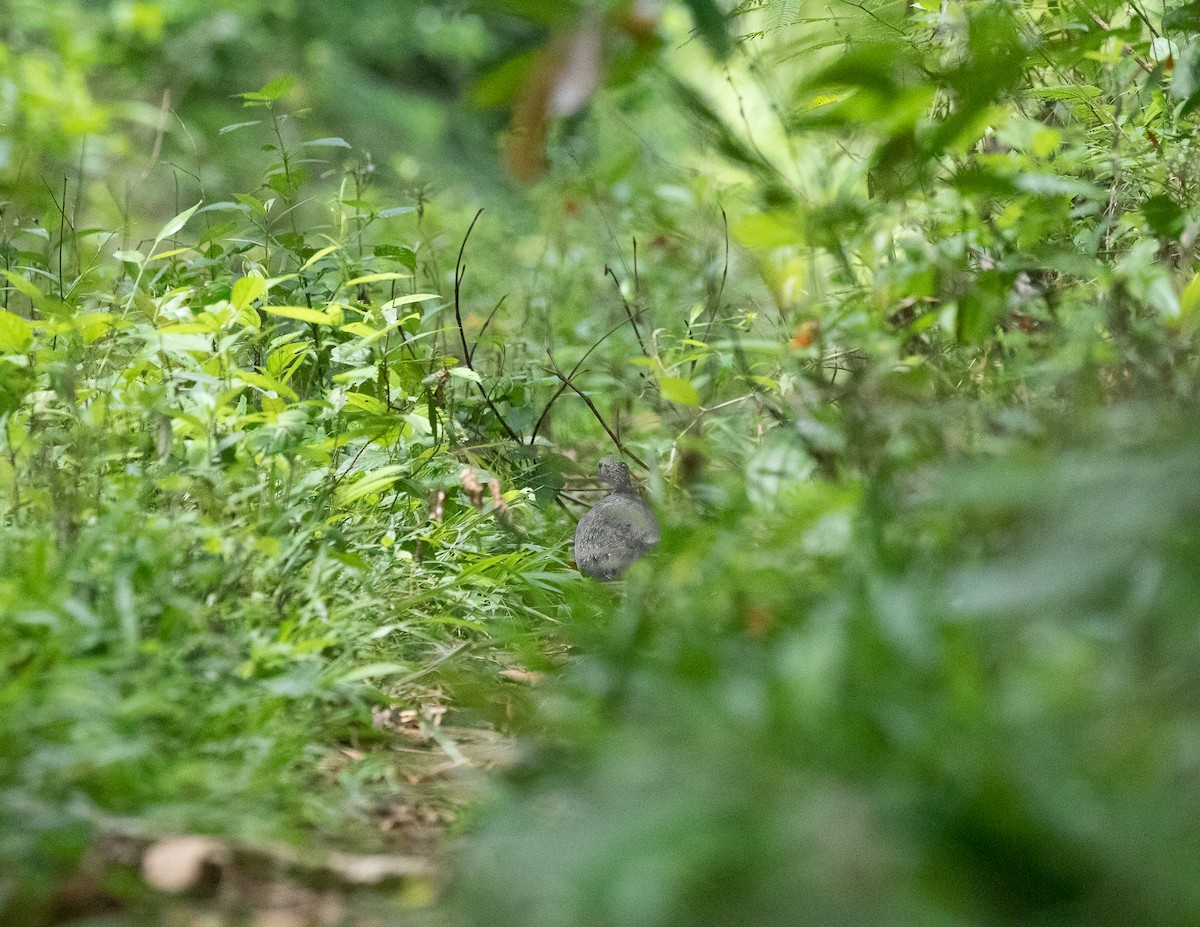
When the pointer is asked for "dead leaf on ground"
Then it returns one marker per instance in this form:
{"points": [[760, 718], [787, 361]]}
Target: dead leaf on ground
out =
{"points": [[182, 864], [409, 721], [355, 869]]}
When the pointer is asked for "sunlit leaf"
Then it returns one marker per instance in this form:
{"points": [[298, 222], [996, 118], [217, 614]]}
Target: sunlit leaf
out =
{"points": [[1189, 299], [366, 403], [23, 285], [16, 334], [246, 290], [271, 91], [304, 314], [375, 481], [324, 252], [176, 224], [676, 389], [267, 384], [376, 278], [163, 255], [408, 300]]}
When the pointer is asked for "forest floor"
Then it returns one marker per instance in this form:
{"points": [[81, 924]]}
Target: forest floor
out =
{"points": [[207, 881]]}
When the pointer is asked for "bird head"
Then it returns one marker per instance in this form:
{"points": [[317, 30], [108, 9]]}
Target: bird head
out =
{"points": [[613, 472]]}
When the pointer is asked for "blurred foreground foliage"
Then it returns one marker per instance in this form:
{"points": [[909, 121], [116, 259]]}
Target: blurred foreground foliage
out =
{"points": [[957, 694], [898, 303]]}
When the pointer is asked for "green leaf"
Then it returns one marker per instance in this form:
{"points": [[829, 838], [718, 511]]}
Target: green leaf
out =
{"points": [[710, 23], [28, 287], [375, 671], [366, 403], [246, 290], [93, 325], [284, 361], [1183, 18], [305, 314], [1165, 216], [368, 334], [163, 255], [15, 384], [16, 334], [252, 202], [270, 91], [1189, 299], [205, 325], [777, 466], [768, 230], [678, 390], [501, 85], [404, 255], [373, 482], [981, 307], [318, 255], [248, 317], [357, 375], [278, 87], [224, 130], [266, 384], [175, 224], [376, 278], [408, 300]]}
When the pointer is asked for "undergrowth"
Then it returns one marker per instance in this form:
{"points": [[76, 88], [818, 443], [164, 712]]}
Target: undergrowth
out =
{"points": [[897, 322]]}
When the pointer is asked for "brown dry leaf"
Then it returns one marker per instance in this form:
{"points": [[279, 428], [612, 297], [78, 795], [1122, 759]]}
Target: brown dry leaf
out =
{"points": [[437, 505], [522, 675], [1027, 323], [385, 719], [469, 480], [402, 721], [806, 334], [373, 869], [498, 503], [568, 72], [396, 817], [525, 145], [180, 864]]}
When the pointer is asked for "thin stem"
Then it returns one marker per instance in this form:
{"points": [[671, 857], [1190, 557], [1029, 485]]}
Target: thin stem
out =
{"points": [[629, 314], [596, 412], [459, 273], [574, 370]]}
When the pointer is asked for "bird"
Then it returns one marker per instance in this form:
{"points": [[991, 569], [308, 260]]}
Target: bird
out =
{"points": [[618, 530]]}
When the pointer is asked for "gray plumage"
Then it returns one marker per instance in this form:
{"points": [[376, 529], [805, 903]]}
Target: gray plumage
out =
{"points": [[618, 530]]}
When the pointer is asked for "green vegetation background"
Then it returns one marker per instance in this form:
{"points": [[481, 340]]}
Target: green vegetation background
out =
{"points": [[895, 307]]}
